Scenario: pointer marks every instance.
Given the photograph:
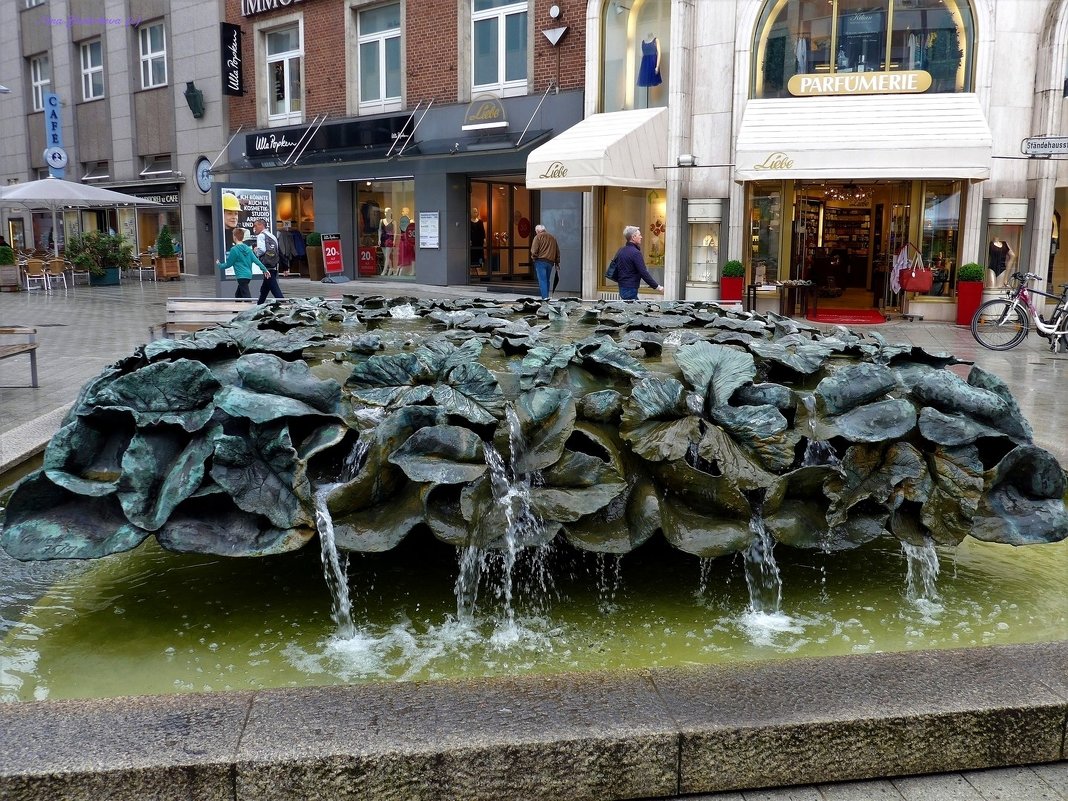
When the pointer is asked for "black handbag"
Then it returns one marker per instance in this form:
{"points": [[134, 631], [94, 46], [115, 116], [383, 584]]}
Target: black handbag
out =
{"points": [[610, 273]]}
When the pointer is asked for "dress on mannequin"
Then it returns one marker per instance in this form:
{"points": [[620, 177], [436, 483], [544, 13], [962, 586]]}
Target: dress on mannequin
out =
{"points": [[386, 238], [801, 55], [478, 239], [649, 70]]}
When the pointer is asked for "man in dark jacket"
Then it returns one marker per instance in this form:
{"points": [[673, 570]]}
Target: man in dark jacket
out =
{"points": [[630, 266]]}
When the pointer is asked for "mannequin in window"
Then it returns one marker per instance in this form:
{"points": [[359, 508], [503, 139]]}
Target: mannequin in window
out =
{"points": [[386, 234], [801, 55], [1000, 258], [478, 240], [649, 71], [406, 244]]}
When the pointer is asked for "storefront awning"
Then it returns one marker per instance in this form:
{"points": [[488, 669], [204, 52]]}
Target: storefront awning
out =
{"points": [[866, 136], [616, 149]]}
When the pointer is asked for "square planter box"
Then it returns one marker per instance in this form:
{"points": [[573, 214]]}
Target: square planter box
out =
{"points": [[730, 288], [969, 296], [109, 278], [168, 269]]}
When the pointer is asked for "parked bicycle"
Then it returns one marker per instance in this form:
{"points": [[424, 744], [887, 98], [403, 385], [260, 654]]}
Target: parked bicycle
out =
{"points": [[1003, 323]]}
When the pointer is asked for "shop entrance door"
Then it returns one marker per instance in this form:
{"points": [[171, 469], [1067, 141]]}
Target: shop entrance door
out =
{"points": [[842, 235], [502, 226]]}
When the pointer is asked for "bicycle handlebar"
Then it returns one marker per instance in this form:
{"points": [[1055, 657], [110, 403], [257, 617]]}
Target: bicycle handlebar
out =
{"points": [[1022, 277]]}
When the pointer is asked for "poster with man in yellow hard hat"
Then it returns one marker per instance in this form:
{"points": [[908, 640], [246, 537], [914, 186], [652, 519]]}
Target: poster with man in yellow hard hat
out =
{"points": [[240, 207]]}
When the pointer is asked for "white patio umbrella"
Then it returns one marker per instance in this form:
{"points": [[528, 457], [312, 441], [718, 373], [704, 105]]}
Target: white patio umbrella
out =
{"points": [[55, 193]]}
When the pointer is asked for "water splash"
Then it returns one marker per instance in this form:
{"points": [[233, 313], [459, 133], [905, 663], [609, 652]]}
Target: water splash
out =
{"points": [[403, 311], [609, 580], [673, 340], [761, 572], [354, 461], [335, 566], [817, 451], [512, 493], [921, 575]]}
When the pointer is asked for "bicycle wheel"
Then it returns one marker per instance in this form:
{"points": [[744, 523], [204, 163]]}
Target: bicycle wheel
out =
{"points": [[998, 325]]}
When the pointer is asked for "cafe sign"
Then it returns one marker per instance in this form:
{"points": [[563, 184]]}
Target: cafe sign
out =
{"points": [[484, 111], [860, 83]]}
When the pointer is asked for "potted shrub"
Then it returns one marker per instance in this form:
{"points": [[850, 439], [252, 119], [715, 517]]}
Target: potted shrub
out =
{"points": [[313, 245], [969, 292], [9, 273], [167, 264], [731, 280], [103, 255]]}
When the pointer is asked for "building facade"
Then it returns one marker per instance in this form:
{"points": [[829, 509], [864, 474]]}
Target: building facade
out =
{"points": [[400, 133], [818, 139], [136, 86]]}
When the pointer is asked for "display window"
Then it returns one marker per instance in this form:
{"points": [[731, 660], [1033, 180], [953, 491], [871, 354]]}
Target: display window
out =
{"points": [[645, 208], [635, 55], [385, 229], [827, 37], [941, 234]]}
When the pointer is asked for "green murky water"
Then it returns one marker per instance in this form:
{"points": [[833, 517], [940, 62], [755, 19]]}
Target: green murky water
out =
{"points": [[156, 622]]}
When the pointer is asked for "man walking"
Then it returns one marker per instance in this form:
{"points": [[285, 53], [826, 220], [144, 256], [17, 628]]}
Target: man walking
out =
{"points": [[545, 251], [267, 250], [630, 266]]}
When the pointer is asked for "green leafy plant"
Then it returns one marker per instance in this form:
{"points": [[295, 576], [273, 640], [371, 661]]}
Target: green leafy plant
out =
{"points": [[314, 239], [7, 255], [970, 272], [165, 244], [95, 251], [733, 269]]}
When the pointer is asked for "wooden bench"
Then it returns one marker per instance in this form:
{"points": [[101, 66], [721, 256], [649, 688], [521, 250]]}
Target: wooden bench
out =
{"points": [[188, 315], [9, 349]]}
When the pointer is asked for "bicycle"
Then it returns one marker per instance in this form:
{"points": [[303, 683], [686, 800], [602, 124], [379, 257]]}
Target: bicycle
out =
{"points": [[1003, 323]]}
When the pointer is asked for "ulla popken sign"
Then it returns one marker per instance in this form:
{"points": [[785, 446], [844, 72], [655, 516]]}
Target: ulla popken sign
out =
{"points": [[230, 51]]}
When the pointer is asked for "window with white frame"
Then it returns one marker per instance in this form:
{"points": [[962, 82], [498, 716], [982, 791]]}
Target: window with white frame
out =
{"points": [[92, 55], [153, 56], [379, 42], [285, 96], [499, 45], [40, 80]]}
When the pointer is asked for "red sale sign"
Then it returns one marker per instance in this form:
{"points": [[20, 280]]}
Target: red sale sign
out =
{"points": [[332, 253], [367, 260]]}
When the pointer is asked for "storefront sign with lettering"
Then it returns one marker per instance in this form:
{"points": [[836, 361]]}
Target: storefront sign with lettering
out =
{"points": [[249, 8], [485, 111], [230, 52], [860, 83], [775, 161], [555, 170]]}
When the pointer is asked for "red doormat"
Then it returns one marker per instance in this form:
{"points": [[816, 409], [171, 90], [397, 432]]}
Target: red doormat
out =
{"points": [[847, 316]]}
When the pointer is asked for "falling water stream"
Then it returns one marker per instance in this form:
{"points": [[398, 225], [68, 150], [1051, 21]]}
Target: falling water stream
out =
{"points": [[335, 566], [761, 572], [817, 451]]}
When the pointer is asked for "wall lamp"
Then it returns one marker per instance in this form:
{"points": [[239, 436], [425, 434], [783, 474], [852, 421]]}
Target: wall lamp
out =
{"points": [[194, 98], [4, 90], [687, 160]]}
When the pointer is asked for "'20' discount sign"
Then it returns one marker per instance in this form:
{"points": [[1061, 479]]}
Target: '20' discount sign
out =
{"points": [[332, 253]]}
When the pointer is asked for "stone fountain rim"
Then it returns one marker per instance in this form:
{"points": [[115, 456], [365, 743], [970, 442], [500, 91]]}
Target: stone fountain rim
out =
{"points": [[599, 735]]}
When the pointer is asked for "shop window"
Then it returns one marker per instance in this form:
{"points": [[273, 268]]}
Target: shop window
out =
{"points": [[635, 53], [827, 37], [644, 208], [40, 80], [941, 228], [285, 54], [92, 60], [380, 57], [153, 55], [499, 46], [385, 228], [765, 233]]}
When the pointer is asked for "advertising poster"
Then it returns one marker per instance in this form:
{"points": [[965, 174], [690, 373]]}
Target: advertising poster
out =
{"points": [[332, 263], [239, 207]]}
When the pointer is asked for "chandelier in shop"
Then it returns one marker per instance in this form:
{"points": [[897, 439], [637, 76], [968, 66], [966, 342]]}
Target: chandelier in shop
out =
{"points": [[848, 193]]}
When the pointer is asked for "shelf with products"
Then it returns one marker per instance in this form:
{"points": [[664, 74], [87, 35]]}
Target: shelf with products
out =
{"points": [[847, 229]]}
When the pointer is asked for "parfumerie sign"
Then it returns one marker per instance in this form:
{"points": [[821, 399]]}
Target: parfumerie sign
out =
{"points": [[249, 8], [860, 83]]}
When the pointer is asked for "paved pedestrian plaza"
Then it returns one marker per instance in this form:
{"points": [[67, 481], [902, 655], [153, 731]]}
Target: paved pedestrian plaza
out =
{"points": [[82, 330]]}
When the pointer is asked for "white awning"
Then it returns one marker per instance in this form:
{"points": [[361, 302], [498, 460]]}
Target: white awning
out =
{"points": [[616, 149], [864, 136]]}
